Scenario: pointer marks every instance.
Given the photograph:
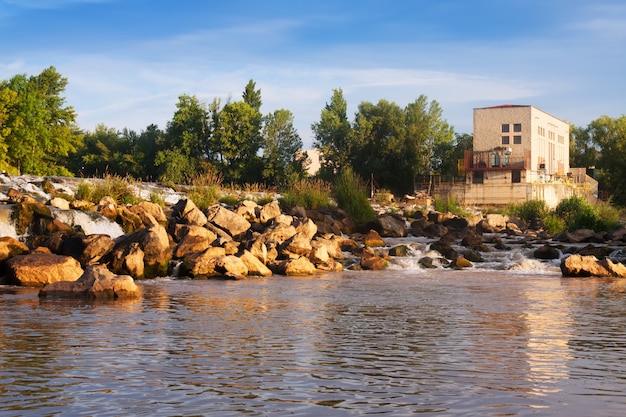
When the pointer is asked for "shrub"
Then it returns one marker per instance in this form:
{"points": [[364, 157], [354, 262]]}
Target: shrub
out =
{"points": [[351, 195], [84, 191], [577, 213], [229, 200], [205, 189], [308, 193], [529, 210], [553, 224], [449, 204], [114, 186]]}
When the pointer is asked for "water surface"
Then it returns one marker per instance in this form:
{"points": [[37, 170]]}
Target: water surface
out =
{"points": [[445, 343]]}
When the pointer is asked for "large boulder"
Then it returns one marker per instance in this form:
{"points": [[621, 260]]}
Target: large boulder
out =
{"points": [[298, 244], [129, 261], [297, 266], [96, 283], [203, 265], [154, 243], [87, 249], [389, 225], [590, 266], [373, 239], [188, 213], [254, 265], [234, 224], [39, 269], [194, 239], [547, 251], [149, 213], [371, 261], [268, 212]]}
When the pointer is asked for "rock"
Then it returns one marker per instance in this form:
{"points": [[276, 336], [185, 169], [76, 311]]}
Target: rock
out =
{"points": [[389, 225], [149, 213], [188, 213], [96, 246], [373, 239], [254, 265], [129, 261], [295, 267], [202, 264], [155, 244], [473, 256], [107, 207], [577, 236], [475, 242], [268, 212], [427, 262], [435, 230], [599, 252], [513, 229], [39, 269], [234, 224], [278, 233], [618, 234], [456, 223], [400, 250], [298, 244], [10, 247], [247, 210], [307, 228], [319, 252], [332, 245], [438, 218], [129, 221], [231, 265], [60, 203], [547, 252], [496, 222], [445, 249], [194, 239], [97, 282], [372, 262], [590, 266], [461, 263]]}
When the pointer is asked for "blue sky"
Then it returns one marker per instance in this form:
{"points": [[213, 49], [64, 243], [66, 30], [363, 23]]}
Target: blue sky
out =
{"points": [[127, 61]]}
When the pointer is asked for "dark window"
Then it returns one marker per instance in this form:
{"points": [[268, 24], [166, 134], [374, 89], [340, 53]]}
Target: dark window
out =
{"points": [[516, 176], [505, 128], [517, 127], [517, 140], [477, 177], [505, 140]]}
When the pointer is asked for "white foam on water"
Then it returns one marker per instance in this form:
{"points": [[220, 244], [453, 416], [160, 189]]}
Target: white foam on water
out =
{"points": [[90, 222]]}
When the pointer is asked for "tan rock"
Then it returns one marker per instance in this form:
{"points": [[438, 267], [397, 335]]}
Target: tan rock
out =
{"points": [[10, 247], [189, 213], [268, 212], [129, 261], [371, 261], [231, 265], [589, 266], [298, 266], [278, 233], [149, 213], [203, 264], [39, 269], [307, 228], [60, 203], [194, 239], [227, 220], [373, 239], [254, 265], [298, 244], [96, 283], [96, 246], [247, 210], [319, 252]]}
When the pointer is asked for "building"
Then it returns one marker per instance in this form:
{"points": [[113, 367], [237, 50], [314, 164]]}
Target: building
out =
{"points": [[520, 153]]}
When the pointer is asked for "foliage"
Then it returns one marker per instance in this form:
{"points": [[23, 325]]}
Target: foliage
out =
{"points": [[350, 192], [609, 135], [308, 193], [229, 200], [38, 132], [205, 189], [157, 198], [553, 224], [448, 204], [281, 148], [577, 213], [116, 187], [529, 210]]}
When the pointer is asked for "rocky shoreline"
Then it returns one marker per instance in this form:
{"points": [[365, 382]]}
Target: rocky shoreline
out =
{"points": [[261, 240]]}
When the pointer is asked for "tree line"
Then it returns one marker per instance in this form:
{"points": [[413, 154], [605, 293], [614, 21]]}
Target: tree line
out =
{"points": [[395, 145]]}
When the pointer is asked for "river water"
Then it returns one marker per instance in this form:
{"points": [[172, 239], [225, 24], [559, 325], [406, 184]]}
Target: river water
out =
{"points": [[398, 343]]}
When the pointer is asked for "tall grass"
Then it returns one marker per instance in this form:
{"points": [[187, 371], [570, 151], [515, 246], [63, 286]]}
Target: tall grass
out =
{"points": [[449, 204], [118, 188], [308, 193], [205, 189], [351, 195]]}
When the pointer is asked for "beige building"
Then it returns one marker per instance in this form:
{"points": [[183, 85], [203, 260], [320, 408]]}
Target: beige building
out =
{"points": [[520, 153]]}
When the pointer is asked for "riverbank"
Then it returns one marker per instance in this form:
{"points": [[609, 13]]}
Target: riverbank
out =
{"points": [[255, 239]]}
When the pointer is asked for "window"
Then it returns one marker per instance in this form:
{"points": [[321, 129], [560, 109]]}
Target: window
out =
{"points": [[505, 128], [516, 177], [517, 127], [517, 139], [505, 140], [477, 177]]}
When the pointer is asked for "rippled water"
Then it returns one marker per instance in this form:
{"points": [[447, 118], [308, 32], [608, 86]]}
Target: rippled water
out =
{"points": [[445, 343]]}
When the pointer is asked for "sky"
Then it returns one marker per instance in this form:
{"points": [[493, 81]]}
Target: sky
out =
{"points": [[128, 61]]}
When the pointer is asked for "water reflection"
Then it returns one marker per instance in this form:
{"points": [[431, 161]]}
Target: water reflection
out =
{"points": [[395, 343]]}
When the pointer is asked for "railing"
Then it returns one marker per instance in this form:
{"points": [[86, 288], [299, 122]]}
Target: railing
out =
{"points": [[495, 160]]}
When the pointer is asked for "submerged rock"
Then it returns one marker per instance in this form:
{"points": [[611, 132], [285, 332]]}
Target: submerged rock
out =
{"points": [[96, 283]]}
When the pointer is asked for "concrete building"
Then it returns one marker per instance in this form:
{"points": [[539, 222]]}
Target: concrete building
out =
{"points": [[520, 153]]}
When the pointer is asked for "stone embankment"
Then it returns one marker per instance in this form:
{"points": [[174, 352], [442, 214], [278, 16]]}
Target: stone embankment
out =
{"points": [[262, 240]]}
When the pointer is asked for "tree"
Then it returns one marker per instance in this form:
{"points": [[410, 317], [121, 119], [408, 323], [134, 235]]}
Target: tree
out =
{"points": [[281, 148], [610, 136], [8, 98], [41, 130], [237, 140], [426, 132], [446, 155], [332, 135], [583, 152]]}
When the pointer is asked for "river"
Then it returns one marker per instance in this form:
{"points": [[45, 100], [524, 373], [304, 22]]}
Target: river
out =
{"points": [[397, 343]]}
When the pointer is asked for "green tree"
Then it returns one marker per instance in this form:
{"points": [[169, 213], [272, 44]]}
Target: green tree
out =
{"points": [[236, 140], [186, 142], [105, 151], [281, 148], [583, 152], [446, 155], [42, 130], [609, 134], [332, 135], [426, 132], [8, 98]]}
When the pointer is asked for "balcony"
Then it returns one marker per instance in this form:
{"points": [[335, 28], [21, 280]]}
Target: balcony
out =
{"points": [[497, 159]]}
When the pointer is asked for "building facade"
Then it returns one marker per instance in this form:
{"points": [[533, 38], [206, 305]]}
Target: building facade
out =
{"points": [[520, 153]]}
